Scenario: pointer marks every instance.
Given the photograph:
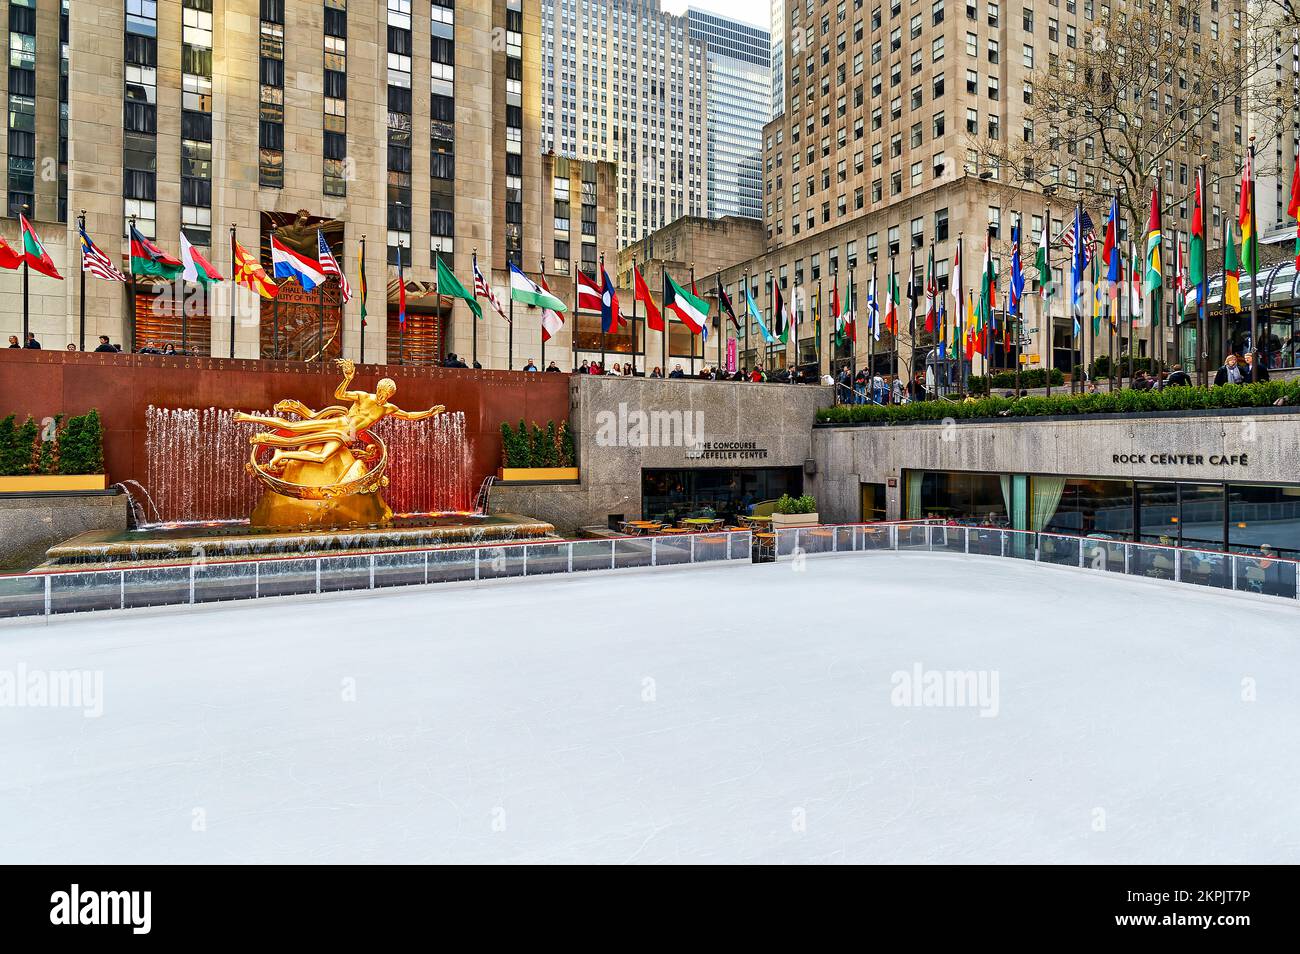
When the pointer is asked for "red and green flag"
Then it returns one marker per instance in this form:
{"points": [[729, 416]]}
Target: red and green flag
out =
{"points": [[148, 259], [361, 283], [1153, 276], [1293, 207], [34, 253]]}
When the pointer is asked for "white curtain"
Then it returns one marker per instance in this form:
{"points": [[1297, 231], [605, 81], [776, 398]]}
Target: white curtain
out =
{"points": [[914, 478], [1046, 498], [1005, 480]]}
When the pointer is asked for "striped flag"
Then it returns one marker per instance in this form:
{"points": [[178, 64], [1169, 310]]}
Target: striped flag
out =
{"points": [[329, 265], [96, 262], [361, 278], [1084, 223], [483, 290]]}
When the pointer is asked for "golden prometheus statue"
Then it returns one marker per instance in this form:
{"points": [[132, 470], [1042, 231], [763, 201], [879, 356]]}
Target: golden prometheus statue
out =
{"points": [[326, 469]]}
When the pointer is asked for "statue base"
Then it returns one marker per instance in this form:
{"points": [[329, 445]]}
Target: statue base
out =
{"points": [[351, 510]]}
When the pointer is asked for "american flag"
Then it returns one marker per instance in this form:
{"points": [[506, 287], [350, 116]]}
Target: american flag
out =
{"points": [[483, 290], [1089, 237], [96, 262], [329, 265]]}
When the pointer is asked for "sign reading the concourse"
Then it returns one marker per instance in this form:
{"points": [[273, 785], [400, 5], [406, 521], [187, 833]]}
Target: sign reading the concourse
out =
{"points": [[727, 450]]}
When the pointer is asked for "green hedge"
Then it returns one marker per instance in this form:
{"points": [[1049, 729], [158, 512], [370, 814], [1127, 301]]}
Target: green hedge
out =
{"points": [[534, 446], [1029, 378], [74, 447], [787, 504], [1116, 402], [1100, 367]]}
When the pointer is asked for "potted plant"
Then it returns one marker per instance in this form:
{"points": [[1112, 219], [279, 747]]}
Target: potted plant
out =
{"points": [[536, 453], [54, 456], [795, 512]]}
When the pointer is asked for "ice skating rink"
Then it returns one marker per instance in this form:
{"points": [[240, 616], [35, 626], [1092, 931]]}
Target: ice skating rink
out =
{"points": [[728, 714]]}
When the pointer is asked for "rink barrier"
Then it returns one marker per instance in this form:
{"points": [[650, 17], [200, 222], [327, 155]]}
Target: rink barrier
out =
{"points": [[59, 592], [1269, 576]]}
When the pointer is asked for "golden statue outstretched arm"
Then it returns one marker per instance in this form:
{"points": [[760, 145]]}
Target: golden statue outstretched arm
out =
{"points": [[395, 411], [349, 370]]}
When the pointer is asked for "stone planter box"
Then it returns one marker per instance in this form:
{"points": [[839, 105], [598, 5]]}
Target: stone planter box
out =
{"points": [[535, 474], [781, 521], [52, 483]]}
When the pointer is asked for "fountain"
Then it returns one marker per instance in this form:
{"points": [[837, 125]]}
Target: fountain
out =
{"points": [[359, 476]]}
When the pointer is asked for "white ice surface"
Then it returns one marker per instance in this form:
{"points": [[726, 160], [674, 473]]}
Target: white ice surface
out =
{"points": [[507, 723]]}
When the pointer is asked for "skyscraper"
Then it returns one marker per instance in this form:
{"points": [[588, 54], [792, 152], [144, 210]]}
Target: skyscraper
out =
{"points": [[778, 57], [739, 103], [623, 81]]}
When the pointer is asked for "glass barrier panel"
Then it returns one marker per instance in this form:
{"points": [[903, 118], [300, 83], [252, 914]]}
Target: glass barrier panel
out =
{"points": [[156, 586], [951, 539], [344, 573], [741, 545], [669, 550], [399, 569], [286, 577], [913, 537], [817, 539], [1020, 544], [710, 547], [22, 596], [215, 582], [986, 541], [1267, 575], [788, 541], [1063, 551], [451, 566], [874, 538], [498, 563], [1205, 569], [81, 592], [635, 551], [846, 538], [595, 554], [1155, 562], [546, 558], [1107, 555]]}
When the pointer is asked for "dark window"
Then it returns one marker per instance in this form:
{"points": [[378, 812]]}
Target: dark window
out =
{"points": [[196, 60], [442, 108], [140, 50], [22, 19], [399, 159], [441, 222], [139, 117], [22, 144], [514, 164], [399, 41], [515, 21], [399, 99], [22, 82], [272, 72], [515, 116], [196, 126], [514, 68], [336, 22], [270, 135], [196, 192], [399, 217], [336, 145], [515, 212], [442, 51], [442, 165], [336, 84], [137, 184], [273, 10]]}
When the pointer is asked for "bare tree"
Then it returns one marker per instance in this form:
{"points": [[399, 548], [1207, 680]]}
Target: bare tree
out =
{"points": [[1154, 86]]}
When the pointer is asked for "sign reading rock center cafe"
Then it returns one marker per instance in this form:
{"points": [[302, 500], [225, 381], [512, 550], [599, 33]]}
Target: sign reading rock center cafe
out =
{"points": [[1183, 460]]}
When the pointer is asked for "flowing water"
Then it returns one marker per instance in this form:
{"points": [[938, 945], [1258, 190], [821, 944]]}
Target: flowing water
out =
{"points": [[196, 459]]}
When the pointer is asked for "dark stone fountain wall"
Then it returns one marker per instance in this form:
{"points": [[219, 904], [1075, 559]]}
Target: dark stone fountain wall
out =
{"points": [[123, 386]]}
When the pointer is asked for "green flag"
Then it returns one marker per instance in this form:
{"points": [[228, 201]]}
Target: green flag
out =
{"points": [[449, 285]]}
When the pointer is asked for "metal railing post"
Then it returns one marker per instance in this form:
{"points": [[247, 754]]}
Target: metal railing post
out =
{"points": [[570, 548], [692, 548], [728, 546], [121, 589], [967, 541], [372, 572], [613, 554], [191, 584], [654, 552], [1178, 566], [257, 581], [426, 566], [1126, 558], [1232, 562], [318, 574], [1081, 553], [525, 549], [477, 553], [49, 596]]}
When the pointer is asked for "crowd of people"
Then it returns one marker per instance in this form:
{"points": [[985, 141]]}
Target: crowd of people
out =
{"points": [[705, 373], [105, 346]]}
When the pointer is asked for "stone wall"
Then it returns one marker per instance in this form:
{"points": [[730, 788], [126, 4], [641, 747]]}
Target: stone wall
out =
{"points": [[622, 425], [1250, 445], [31, 524]]}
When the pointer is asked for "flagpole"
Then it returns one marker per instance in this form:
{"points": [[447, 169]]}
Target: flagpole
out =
{"points": [[473, 320], [1047, 296], [1092, 325], [1203, 292], [1254, 270], [717, 280], [362, 265], [602, 313], [81, 328], [1223, 310], [749, 319], [853, 338], [26, 320], [1156, 292], [510, 320], [634, 274], [131, 290], [694, 336], [233, 287], [663, 334], [573, 330], [873, 309], [442, 326], [401, 322], [543, 334]]}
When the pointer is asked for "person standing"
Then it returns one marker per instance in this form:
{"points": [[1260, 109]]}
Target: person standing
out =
{"points": [[31, 341], [105, 346], [1260, 371], [13, 342], [1230, 372]]}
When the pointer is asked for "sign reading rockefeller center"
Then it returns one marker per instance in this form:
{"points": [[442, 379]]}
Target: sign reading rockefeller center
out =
{"points": [[727, 450]]}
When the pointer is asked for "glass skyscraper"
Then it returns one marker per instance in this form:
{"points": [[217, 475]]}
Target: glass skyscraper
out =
{"points": [[739, 104]]}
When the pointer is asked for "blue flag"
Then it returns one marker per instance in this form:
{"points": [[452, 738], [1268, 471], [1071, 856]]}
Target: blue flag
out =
{"points": [[1078, 263], [1017, 273]]}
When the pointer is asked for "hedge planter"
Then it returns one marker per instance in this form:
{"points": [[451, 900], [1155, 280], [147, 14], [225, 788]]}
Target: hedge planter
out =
{"points": [[52, 483], [783, 521], [535, 474]]}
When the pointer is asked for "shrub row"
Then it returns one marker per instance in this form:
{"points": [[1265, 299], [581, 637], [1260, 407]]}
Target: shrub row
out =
{"points": [[1261, 394], [74, 447], [1029, 378], [535, 447]]}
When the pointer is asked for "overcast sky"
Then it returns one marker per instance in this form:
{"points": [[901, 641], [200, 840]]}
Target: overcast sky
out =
{"points": [[757, 12]]}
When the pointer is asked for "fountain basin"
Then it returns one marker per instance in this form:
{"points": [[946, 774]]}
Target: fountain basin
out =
{"points": [[227, 542]]}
